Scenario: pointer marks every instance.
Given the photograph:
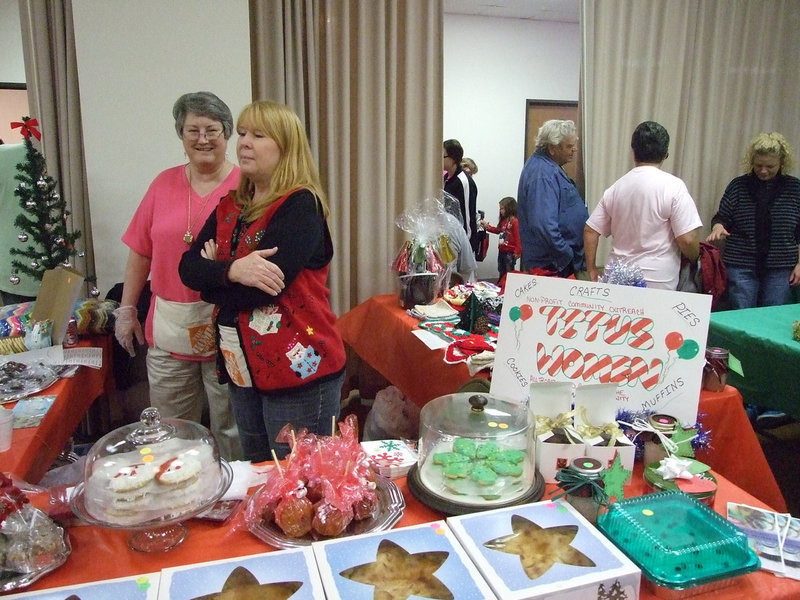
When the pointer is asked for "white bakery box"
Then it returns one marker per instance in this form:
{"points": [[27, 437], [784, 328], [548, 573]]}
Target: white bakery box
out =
{"points": [[136, 587], [282, 574], [420, 561], [545, 550]]}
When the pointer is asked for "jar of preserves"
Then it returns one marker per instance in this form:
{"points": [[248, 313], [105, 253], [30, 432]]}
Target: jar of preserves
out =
{"points": [[583, 485], [665, 425], [715, 371]]}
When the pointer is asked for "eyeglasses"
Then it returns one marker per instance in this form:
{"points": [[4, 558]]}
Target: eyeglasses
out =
{"points": [[195, 134]]}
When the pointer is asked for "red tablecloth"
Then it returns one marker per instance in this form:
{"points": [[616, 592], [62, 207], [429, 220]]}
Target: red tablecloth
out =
{"points": [[379, 331], [33, 449], [103, 553]]}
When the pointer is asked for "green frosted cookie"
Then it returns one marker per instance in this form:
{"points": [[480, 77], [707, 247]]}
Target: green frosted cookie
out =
{"points": [[449, 458], [502, 467], [457, 470], [488, 450], [512, 456], [483, 475], [464, 446]]}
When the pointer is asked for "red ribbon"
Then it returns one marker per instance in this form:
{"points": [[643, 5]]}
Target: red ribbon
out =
{"points": [[27, 127]]}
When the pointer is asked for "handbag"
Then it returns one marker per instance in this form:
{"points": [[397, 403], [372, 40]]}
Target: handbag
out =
{"points": [[185, 328]]}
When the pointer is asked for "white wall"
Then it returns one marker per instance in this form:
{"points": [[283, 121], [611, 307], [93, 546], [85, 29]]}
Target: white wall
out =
{"points": [[492, 66], [12, 63], [134, 60]]}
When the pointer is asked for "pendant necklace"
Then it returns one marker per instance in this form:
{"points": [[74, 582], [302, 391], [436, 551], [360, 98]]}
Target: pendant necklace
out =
{"points": [[188, 237]]}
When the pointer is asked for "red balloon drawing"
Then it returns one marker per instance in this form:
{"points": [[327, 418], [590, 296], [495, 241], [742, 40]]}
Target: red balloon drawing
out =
{"points": [[527, 311], [674, 340]]}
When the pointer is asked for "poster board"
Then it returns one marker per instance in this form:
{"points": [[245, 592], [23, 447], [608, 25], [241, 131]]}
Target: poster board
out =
{"points": [[650, 342]]}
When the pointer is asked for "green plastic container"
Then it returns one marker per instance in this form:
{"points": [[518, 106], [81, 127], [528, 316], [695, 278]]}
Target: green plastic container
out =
{"points": [[681, 545]]}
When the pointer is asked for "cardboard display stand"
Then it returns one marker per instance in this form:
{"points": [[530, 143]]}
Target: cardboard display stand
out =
{"points": [[650, 343], [57, 295]]}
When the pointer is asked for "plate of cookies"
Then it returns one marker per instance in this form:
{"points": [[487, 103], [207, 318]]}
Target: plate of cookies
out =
{"points": [[18, 380]]}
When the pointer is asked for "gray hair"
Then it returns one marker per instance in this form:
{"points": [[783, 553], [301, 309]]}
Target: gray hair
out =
{"points": [[202, 104], [553, 132]]}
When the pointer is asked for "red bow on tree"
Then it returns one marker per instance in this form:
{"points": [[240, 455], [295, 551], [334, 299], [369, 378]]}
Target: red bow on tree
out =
{"points": [[27, 127]]}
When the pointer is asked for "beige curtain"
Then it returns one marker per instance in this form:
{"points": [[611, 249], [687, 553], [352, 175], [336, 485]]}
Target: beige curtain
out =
{"points": [[366, 78], [48, 44], [713, 72]]}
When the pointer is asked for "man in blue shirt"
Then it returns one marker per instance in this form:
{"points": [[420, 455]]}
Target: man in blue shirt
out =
{"points": [[551, 212]]}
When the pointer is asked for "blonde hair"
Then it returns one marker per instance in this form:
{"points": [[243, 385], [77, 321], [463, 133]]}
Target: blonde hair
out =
{"points": [[773, 144], [295, 168]]}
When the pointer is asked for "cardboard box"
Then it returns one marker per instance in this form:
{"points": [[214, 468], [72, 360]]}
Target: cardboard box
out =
{"points": [[272, 574], [340, 564], [597, 404], [137, 587], [551, 401], [588, 565]]}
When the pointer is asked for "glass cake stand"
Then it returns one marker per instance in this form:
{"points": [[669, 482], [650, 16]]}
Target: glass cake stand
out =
{"points": [[157, 535]]}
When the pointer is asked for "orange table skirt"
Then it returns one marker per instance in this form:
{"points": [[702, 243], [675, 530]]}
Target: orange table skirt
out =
{"points": [[379, 331], [99, 553]]}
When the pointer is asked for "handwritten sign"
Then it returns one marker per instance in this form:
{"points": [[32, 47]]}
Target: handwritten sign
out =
{"points": [[651, 343]]}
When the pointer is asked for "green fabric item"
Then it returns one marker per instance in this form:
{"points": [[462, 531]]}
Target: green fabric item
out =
{"points": [[761, 339], [10, 156]]}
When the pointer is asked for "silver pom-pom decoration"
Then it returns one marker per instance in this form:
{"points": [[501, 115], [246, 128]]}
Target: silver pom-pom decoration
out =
{"points": [[41, 184], [30, 204], [58, 240], [94, 292], [55, 196], [67, 264], [34, 264], [23, 237], [81, 254], [14, 279]]}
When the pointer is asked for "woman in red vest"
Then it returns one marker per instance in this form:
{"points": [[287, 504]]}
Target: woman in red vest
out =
{"points": [[263, 258]]}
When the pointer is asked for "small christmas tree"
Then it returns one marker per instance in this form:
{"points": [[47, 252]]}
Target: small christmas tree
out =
{"points": [[43, 221]]}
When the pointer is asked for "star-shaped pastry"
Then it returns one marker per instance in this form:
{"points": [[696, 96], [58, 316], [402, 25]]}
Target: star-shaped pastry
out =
{"points": [[539, 548], [614, 479], [243, 585], [398, 575]]}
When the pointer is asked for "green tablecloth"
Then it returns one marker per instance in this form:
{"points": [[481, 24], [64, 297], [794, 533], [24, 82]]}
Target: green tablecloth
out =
{"points": [[761, 338]]}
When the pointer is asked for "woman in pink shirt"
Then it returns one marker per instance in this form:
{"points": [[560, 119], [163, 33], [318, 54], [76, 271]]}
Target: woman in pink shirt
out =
{"points": [[181, 369]]}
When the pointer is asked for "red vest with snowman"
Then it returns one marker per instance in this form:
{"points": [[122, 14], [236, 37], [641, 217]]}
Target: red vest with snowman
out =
{"points": [[290, 343]]}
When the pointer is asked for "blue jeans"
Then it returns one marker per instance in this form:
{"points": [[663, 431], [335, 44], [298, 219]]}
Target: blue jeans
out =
{"points": [[261, 415], [505, 262], [747, 289]]}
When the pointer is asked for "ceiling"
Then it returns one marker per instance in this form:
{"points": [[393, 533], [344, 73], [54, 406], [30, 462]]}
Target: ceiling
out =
{"points": [[565, 11]]}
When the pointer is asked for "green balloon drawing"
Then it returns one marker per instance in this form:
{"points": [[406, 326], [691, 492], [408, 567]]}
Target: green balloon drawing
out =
{"points": [[688, 350], [515, 313]]}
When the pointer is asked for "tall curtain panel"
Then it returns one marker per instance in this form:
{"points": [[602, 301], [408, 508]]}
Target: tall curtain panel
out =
{"points": [[713, 72], [366, 79], [48, 44]]}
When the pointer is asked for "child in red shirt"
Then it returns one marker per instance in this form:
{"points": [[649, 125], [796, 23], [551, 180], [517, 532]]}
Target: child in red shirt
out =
{"points": [[509, 248]]}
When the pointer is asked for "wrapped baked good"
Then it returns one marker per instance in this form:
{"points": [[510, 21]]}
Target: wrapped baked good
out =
{"points": [[29, 540]]}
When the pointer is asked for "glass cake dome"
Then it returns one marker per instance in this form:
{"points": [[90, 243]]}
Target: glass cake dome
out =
{"points": [[476, 452], [151, 475]]}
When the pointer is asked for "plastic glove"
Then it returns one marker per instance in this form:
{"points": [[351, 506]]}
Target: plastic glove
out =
{"points": [[126, 326]]}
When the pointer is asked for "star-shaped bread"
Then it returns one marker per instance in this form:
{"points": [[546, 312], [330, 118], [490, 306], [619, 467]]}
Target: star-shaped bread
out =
{"points": [[243, 585], [539, 548], [398, 575]]}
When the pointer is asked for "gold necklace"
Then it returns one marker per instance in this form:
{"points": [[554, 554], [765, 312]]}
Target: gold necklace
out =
{"points": [[188, 237]]}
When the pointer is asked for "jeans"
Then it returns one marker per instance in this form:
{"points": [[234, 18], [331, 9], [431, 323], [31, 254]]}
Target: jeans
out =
{"points": [[261, 415], [505, 262], [748, 289]]}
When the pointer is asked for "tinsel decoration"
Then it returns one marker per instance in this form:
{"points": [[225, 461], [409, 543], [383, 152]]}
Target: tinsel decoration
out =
{"points": [[43, 221], [622, 272], [701, 441]]}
